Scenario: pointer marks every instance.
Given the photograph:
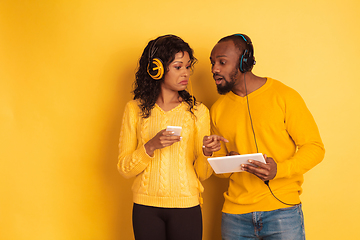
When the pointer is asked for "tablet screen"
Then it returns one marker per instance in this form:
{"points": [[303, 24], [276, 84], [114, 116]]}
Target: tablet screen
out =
{"points": [[229, 164]]}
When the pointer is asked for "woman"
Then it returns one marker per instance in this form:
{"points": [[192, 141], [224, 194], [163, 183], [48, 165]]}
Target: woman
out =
{"points": [[167, 168]]}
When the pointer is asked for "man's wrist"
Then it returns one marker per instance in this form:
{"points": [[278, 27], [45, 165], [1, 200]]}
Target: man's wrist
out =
{"points": [[207, 153]]}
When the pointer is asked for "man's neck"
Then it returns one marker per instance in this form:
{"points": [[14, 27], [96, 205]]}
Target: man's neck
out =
{"points": [[247, 83]]}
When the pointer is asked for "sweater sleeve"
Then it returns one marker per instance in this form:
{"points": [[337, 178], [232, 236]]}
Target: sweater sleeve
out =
{"points": [[132, 158], [223, 151], [202, 125], [303, 130]]}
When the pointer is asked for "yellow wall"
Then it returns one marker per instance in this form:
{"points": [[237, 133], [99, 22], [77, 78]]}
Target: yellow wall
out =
{"points": [[66, 69]]}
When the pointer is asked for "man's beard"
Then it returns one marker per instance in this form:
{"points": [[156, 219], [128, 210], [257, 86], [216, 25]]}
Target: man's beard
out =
{"points": [[228, 86]]}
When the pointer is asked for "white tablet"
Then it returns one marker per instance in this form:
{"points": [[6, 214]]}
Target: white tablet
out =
{"points": [[229, 164], [175, 129]]}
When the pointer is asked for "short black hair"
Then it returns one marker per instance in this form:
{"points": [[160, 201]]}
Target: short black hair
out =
{"points": [[237, 40]]}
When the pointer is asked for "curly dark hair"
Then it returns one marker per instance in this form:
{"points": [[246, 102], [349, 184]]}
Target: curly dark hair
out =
{"points": [[146, 89]]}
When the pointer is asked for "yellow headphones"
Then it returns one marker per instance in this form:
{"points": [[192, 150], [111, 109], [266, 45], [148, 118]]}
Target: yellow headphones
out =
{"points": [[155, 66]]}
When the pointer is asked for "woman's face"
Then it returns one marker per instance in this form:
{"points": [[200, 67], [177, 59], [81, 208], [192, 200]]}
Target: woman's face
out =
{"points": [[177, 78]]}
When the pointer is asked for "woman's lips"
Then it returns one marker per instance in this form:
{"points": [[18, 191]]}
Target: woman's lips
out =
{"points": [[184, 82]]}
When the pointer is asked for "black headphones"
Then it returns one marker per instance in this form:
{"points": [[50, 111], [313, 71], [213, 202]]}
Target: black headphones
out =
{"points": [[155, 66], [247, 59]]}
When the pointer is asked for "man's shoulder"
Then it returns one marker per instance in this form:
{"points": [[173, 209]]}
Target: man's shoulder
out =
{"points": [[219, 102], [283, 89]]}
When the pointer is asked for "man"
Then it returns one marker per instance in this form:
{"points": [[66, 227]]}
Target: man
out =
{"points": [[262, 115]]}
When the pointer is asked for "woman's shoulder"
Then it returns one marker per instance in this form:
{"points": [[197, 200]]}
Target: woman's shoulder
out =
{"points": [[201, 109], [134, 104], [132, 107]]}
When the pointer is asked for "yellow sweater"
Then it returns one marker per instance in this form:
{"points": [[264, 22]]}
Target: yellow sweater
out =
{"points": [[285, 130], [169, 179]]}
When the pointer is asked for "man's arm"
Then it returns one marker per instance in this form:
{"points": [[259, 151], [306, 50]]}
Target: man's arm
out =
{"points": [[303, 130]]}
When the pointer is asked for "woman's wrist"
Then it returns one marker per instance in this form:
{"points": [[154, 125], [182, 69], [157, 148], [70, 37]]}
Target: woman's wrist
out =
{"points": [[149, 149]]}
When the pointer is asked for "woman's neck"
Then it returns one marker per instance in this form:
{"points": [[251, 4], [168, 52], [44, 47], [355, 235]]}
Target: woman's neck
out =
{"points": [[168, 100]]}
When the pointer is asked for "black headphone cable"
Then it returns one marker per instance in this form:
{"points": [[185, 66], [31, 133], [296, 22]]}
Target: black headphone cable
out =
{"points": [[252, 126], [257, 150]]}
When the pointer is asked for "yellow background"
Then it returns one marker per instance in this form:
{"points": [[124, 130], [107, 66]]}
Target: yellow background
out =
{"points": [[66, 72]]}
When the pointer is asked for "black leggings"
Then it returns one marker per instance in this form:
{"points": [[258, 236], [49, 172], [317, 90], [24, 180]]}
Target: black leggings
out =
{"points": [[154, 223]]}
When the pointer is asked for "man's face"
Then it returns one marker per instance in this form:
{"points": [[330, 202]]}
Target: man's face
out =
{"points": [[224, 61]]}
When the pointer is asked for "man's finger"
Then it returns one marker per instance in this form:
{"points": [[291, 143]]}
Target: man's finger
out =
{"points": [[257, 163], [218, 138], [207, 139], [231, 153], [260, 172], [223, 139]]}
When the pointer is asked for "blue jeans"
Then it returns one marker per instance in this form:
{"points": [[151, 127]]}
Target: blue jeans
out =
{"points": [[281, 224]]}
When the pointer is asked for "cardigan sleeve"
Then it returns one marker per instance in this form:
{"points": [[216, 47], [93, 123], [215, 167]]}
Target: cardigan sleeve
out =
{"points": [[223, 151], [202, 125], [303, 130], [132, 158]]}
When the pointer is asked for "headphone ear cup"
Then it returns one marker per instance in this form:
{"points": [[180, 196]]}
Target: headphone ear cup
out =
{"points": [[244, 65], [155, 69], [247, 61]]}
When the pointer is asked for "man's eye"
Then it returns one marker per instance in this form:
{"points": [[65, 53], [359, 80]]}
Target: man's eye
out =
{"points": [[222, 62]]}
